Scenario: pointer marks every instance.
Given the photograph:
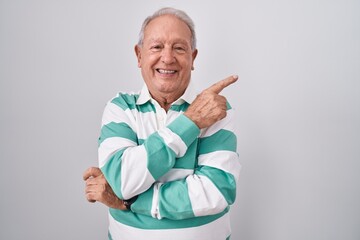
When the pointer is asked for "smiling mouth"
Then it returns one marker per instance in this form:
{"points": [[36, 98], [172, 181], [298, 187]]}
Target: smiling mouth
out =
{"points": [[163, 71]]}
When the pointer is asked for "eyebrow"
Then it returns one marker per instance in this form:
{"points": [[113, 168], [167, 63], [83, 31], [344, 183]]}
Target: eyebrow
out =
{"points": [[176, 41]]}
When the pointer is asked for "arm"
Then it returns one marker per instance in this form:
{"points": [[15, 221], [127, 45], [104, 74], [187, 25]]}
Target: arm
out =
{"points": [[212, 187], [129, 165], [210, 190]]}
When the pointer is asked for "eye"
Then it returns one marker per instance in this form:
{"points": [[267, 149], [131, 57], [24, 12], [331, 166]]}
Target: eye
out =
{"points": [[156, 47], [180, 49]]}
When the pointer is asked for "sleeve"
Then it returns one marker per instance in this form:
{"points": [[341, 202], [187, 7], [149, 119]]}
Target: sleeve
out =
{"points": [[212, 187], [129, 167]]}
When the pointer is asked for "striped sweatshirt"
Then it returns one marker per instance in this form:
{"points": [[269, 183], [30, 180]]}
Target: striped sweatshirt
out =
{"points": [[185, 177]]}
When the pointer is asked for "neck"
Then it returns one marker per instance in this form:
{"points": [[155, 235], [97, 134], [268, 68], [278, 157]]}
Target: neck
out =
{"points": [[164, 102]]}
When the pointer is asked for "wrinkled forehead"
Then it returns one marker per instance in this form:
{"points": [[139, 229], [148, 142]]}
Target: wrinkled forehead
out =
{"points": [[167, 27]]}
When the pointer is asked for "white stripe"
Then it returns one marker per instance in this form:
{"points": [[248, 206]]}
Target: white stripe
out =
{"points": [[217, 230], [173, 141], [113, 113], [145, 123], [226, 123], [172, 115], [227, 161], [135, 176], [109, 146], [176, 174], [155, 202], [131, 117], [204, 196]]}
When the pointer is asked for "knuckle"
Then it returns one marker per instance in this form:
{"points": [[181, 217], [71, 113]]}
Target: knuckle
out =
{"points": [[89, 197]]}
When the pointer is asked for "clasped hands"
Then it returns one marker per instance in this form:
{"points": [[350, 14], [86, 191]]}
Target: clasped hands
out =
{"points": [[208, 108]]}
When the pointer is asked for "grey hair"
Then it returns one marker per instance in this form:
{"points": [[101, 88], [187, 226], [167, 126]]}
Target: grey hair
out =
{"points": [[181, 15]]}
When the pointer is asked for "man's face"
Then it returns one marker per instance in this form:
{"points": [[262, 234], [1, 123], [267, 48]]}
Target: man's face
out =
{"points": [[165, 57]]}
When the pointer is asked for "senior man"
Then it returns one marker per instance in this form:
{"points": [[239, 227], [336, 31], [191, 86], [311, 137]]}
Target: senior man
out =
{"points": [[167, 158]]}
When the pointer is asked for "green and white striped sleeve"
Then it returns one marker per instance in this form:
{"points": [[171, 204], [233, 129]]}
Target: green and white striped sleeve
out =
{"points": [[131, 167], [212, 187]]}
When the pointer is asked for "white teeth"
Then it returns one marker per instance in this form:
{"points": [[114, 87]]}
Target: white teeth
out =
{"points": [[166, 71]]}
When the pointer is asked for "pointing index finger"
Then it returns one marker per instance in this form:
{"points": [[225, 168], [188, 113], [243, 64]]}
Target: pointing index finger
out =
{"points": [[219, 86]]}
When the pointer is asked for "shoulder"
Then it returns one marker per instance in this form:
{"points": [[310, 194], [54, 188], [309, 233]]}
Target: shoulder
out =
{"points": [[125, 100]]}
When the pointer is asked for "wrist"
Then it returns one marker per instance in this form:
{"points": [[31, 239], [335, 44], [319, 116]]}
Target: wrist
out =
{"points": [[193, 118], [127, 203], [118, 204]]}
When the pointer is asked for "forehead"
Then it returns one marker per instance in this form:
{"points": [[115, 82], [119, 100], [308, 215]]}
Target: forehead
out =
{"points": [[167, 28]]}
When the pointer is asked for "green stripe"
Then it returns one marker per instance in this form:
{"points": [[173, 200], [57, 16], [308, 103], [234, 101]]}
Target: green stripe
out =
{"points": [[143, 203], [117, 130], [174, 201], [161, 158], [212, 143], [146, 107], [185, 129], [180, 108], [125, 101], [128, 101], [109, 236], [189, 160], [228, 106], [224, 181], [112, 172], [147, 222]]}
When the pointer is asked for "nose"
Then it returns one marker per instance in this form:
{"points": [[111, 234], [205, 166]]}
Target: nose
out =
{"points": [[167, 56]]}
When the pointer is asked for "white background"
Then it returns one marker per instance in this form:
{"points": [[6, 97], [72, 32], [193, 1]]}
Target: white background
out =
{"points": [[297, 102]]}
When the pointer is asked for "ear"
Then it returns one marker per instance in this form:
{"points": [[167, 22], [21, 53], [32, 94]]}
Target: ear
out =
{"points": [[138, 54], [194, 54]]}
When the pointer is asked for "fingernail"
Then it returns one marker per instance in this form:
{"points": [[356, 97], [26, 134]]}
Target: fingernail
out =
{"points": [[235, 76]]}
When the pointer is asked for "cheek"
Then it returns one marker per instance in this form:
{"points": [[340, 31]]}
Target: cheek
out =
{"points": [[150, 59], [187, 62]]}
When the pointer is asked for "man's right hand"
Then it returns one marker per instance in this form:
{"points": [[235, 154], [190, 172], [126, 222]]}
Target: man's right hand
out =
{"points": [[210, 107], [98, 189]]}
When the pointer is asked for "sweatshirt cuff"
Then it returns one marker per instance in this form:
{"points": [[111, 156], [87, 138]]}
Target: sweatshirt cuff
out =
{"points": [[143, 203], [186, 129]]}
